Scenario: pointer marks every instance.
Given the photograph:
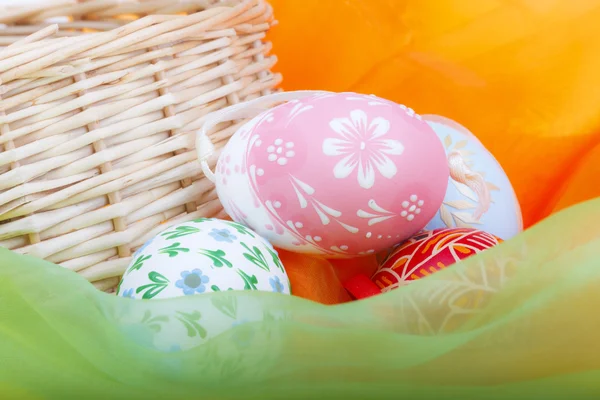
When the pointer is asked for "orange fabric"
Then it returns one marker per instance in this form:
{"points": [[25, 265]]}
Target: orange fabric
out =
{"points": [[582, 184], [321, 280], [521, 74], [313, 278]]}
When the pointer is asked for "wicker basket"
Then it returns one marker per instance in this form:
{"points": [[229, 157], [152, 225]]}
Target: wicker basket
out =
{"points": [[97, 121]]}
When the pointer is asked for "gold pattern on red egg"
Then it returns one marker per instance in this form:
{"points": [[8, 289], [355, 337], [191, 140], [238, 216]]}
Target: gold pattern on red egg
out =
{"points": [[429, 252]]}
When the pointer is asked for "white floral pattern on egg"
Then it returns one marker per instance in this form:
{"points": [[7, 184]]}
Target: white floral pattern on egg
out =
{"points": [[334, 174]]}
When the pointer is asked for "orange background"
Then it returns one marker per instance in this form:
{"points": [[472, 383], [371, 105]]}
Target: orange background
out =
{"points": [[522, 75]]}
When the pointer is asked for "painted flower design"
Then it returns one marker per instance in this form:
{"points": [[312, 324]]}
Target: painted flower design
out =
{"points": [[128, 293], [242, 337], [192, 282], [269, 245], [224, 171], [222, 235], [174, 348], [362, 145], [276, 284], [238, 323], [142, 248], [280, 152]]}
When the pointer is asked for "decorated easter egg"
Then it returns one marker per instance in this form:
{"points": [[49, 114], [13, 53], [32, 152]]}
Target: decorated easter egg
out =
{"points": [[201, 256], [503, 217], [182, 325], [429, 252], [334, 174]]}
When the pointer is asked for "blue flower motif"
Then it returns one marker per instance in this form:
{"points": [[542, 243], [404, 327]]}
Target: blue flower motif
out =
{"points": [[141, 334], [192, 282], [128, 293], [139, 251], [222, 235], [242, 337], [175, 348], [238, 323], [269, 245], [276, 284]]}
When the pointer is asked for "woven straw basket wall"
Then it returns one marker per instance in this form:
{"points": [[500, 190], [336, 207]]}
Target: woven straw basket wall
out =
{"points": [[98, 116]]}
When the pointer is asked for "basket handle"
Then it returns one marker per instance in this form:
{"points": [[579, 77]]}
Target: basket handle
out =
{"points": [[205, 147]]}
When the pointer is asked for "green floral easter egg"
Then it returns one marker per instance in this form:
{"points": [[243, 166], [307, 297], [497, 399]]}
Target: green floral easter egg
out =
{"points": [[202, 256]]}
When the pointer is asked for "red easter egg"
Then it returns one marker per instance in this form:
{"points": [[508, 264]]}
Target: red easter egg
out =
{"points": [[429, 252]]}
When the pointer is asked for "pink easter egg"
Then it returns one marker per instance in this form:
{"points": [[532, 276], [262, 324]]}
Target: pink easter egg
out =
{"points": [[335, 174]]}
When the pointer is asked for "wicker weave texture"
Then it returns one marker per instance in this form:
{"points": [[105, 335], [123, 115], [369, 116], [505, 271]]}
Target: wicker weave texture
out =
{"points": [[97, 150]]}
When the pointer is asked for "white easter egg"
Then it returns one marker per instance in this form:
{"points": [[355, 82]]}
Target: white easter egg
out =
{"points": [[202, 256], [195, 257], [503, 218]]}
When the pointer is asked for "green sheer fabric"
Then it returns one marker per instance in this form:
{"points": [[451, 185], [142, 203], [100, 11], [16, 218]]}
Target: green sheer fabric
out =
{"points": [[519, 321]]}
